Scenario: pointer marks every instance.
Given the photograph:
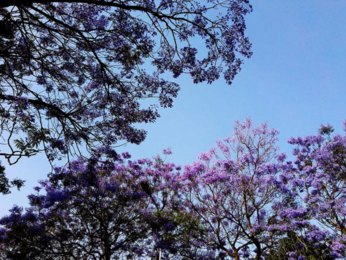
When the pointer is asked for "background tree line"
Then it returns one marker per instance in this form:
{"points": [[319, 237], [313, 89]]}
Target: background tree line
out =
{"points": [[240, 200]]}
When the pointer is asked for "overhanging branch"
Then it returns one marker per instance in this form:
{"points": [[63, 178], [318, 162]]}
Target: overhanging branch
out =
{"points": [[39, 104], [8, 3]]}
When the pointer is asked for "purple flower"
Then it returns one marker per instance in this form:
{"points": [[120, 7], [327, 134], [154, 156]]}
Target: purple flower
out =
{"points": [[167, 151], [126, 155]]}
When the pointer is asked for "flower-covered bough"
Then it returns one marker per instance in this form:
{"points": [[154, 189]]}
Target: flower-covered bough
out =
{"points": [[73, 72]]}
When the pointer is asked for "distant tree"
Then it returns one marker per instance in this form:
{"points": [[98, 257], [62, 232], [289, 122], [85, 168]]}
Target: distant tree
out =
{"points": [[319, 182], [237, 194], [85, 213], [73, 75]]}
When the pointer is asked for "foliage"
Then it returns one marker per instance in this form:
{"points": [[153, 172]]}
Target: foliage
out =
{"points": [[73, 72], [5, 184], [294, 245]]}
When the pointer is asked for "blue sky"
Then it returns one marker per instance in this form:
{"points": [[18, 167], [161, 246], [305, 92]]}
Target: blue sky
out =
{"points": [[295, 80]]}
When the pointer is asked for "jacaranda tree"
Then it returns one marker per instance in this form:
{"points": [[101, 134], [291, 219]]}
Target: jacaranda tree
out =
{"points": [[85, 213], [73, 74], [234, 190], [319, 184]]}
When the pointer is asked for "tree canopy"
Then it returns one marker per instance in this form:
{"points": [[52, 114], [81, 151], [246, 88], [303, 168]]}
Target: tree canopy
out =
{"points": [[73, 73]]}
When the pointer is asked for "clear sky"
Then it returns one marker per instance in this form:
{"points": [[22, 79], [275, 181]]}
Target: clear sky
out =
{"points": [[295, 80]]}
